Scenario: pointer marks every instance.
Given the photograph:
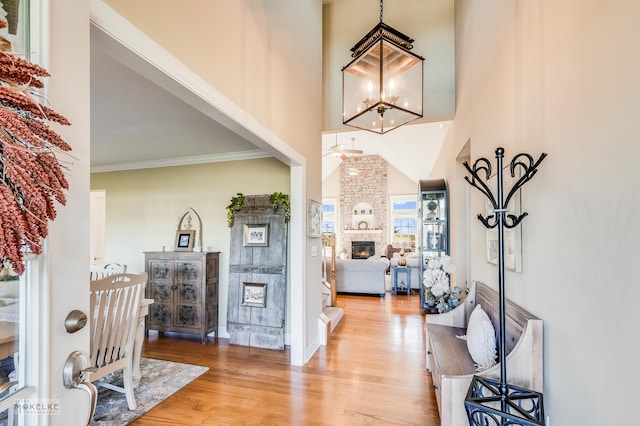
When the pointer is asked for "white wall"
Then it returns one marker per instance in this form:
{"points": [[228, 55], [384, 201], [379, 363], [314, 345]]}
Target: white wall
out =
{"points": [[144, 206], [561, 78]]}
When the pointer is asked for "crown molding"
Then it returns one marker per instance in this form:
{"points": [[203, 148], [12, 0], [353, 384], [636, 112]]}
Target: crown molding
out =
{"points": [[182, 161]]}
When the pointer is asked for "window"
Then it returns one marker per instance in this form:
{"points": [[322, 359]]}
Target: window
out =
{"points": [[329, 214], [403, 218]]}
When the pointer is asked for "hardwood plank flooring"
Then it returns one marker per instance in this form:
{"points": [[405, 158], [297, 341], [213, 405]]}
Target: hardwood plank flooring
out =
{"points": [[371, 372]]}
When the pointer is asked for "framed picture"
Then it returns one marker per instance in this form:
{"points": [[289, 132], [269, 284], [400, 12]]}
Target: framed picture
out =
{"points": [[254, 295], [256, 235], [513, 236], [184, 240], [314, 220]]}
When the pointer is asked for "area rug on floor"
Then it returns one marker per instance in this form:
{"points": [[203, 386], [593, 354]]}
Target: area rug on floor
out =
{"points": [[160, 379]]}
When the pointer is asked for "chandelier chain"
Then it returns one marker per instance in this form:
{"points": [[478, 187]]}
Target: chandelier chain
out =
{"points": [[381, 1]]}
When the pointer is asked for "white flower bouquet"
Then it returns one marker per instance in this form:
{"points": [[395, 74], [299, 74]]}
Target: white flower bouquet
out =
{"points": [[437, 284]]}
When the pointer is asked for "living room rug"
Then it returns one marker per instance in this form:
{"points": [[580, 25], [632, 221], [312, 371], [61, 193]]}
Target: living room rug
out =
{"points": [[160, 379]]}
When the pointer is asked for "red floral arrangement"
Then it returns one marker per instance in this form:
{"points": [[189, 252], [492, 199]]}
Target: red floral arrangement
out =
{"points": [[31, 177]]}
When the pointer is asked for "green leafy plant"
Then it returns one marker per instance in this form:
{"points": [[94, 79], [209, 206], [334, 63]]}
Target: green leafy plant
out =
{"points": [[278, 199], [237, 203]]}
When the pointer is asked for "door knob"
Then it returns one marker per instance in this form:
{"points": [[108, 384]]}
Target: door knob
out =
{"points": [[73, 377], [76, 320]]}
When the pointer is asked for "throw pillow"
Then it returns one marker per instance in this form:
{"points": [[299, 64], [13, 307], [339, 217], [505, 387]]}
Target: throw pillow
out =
{"points": [[481, 339]]}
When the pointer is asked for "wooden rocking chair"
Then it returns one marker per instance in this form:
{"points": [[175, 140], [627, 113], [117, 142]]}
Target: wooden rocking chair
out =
{"points": [[115, 301], [102, 271]]}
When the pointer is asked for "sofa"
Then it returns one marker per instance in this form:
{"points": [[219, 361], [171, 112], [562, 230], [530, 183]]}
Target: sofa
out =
{"points": [[362, 276]]}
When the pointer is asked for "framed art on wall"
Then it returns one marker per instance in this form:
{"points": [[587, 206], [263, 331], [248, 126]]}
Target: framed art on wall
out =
{"points": [[314, 219], [256, 235], [513, 236], [254, 295]]}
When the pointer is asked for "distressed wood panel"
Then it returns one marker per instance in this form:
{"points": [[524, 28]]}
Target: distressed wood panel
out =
{"points": [[254, 325]]}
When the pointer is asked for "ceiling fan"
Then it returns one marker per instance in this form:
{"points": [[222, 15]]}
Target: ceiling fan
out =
{"points": [[338, 150]]}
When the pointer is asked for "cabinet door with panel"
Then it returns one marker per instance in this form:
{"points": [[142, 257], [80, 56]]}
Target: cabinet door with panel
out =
{"points": [[160, 289]]}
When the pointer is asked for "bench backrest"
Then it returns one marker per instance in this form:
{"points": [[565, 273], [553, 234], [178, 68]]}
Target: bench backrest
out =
{"points": [[515, 316]]}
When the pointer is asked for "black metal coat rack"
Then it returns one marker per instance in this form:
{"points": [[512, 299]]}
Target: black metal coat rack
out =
{"points": [[489, 402]]}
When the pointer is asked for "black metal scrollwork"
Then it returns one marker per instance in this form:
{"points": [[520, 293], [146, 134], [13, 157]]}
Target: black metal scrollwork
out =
{"points": [[528, 168]]}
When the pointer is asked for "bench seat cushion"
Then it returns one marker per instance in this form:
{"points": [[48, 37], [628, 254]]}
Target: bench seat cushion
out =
{"points": [[452, 354]]}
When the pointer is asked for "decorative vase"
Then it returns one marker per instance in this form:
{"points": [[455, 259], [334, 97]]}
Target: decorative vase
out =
{"points": [[402, 261]]}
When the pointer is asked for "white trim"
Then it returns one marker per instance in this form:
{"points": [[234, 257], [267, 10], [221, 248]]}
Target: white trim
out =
{"points": [[363, 231], [312, 348], [298, 265], [182, 161]]}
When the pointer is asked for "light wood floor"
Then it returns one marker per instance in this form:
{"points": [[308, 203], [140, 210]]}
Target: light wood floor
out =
{"points": [[372, 372]]}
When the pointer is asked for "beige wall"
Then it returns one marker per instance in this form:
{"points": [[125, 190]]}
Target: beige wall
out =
{"points": [[561, 78], [266, 58], [144, 206]]}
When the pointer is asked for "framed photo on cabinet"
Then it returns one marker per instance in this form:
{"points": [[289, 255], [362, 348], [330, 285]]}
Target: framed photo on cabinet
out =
{"points": [[184, 240]]}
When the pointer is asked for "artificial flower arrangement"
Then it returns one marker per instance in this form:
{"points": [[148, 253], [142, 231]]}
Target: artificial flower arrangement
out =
{"points": [[31, 176], [437, 284]]}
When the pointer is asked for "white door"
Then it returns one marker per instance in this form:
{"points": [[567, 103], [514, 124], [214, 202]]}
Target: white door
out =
{"points": [[57, 281]]}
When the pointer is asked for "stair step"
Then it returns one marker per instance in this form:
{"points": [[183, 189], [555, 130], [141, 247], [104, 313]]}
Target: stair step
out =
{"points": [[335, 314], [326, 300]]}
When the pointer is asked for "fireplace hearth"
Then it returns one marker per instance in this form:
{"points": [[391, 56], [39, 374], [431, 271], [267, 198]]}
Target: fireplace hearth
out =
{"points": [[362, 249]]}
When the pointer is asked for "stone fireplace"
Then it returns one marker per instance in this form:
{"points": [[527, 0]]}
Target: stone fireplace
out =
{"points": [[364, 203], [362, 249]]}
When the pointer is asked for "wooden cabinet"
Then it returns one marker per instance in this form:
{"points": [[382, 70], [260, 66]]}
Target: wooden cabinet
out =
{"points": [[184, 287]]}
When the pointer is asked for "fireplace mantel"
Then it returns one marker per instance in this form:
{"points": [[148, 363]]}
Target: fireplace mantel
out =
{"points": [[363, 231]]}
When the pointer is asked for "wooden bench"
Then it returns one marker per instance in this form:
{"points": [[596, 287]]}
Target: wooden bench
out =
{"points": [[451, 365]]}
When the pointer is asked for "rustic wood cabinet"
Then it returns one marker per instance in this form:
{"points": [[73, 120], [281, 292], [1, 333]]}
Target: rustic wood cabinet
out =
{"points": [[184, 287]]}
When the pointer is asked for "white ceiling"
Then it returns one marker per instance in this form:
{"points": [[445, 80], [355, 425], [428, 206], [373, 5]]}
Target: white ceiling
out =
{"points": [[412, 149]]}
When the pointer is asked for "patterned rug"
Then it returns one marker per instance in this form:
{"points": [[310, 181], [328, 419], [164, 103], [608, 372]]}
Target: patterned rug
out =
{"points": [[160, 379]]}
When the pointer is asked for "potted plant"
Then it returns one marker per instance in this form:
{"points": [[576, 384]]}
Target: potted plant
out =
{"points": [[432, 206]]}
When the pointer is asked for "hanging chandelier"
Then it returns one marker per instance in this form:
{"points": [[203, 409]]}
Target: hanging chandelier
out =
{"points": [[382, 85]]}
